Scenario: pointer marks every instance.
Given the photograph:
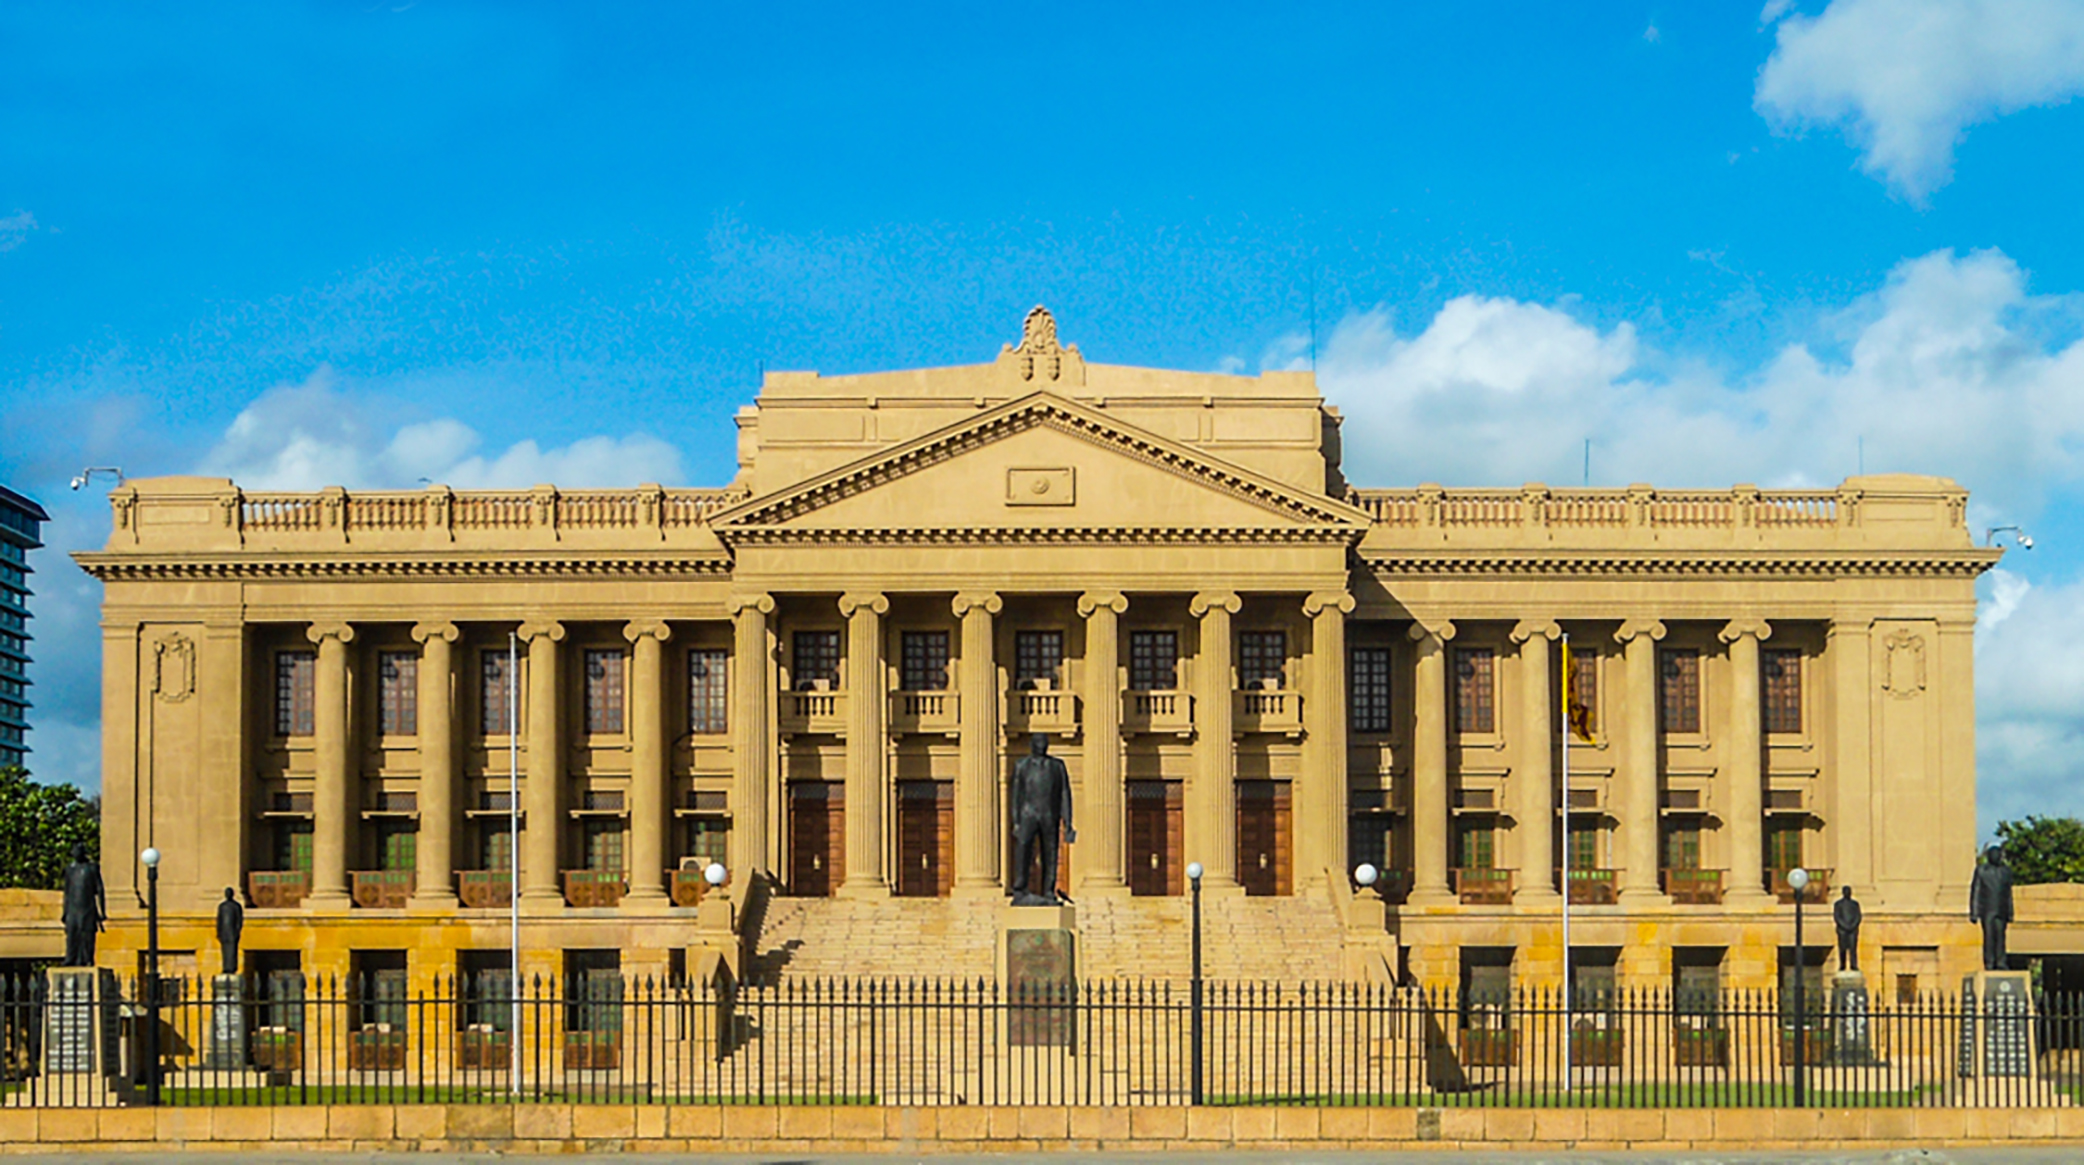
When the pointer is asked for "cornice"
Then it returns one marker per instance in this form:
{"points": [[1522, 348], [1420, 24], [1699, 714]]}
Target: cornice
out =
{"points": [[134, 567], [1680, 564], [1031, 535]]}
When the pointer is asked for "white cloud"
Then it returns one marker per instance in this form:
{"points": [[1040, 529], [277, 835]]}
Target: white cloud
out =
{"points": [[1907, 77], [2029, 720], [1939, 373], [14, 228], [314, 434]]}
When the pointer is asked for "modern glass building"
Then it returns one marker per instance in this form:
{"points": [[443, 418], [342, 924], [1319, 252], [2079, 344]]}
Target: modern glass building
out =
{"points": [[21, 526]]}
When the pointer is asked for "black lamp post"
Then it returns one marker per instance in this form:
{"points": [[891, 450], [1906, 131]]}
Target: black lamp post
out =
{"points": [[151, 859], [1194, 991], [1798, 880]]}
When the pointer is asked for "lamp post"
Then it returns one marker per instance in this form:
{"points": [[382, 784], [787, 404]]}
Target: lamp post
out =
{"points": [[151, 859], [1194, 991], [714, 874], [1798, 879], [1364, 875]]}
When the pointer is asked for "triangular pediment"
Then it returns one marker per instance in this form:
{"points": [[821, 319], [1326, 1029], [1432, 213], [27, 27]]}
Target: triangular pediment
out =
{"points": [[1042, 462]]}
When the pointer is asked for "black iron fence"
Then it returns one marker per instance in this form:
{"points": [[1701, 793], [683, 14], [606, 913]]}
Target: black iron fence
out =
{"points": [[603, 1038]]}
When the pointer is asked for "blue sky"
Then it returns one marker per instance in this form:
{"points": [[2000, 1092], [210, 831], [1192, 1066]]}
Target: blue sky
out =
{"points": [[367, 243]]}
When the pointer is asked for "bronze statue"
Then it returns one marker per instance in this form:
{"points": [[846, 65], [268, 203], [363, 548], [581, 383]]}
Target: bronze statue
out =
{"points": [[1845, 913], [1990, 903], [1041, 801], [231, 919], [86, 907]]}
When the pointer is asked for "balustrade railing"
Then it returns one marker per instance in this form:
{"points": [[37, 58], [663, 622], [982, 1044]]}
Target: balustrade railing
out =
{"points": [[381, 889]]}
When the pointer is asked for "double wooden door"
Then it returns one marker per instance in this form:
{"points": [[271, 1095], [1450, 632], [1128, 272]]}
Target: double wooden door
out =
{"points": [[1265, 828], [925, 838], [817, 838], [1154, 838]]}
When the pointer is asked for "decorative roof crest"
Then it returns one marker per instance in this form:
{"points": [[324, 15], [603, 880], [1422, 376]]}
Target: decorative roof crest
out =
{"points": [[1041, 358]]}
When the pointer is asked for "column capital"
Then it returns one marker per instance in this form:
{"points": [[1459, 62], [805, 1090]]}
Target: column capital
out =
{"points": [[536, 629], [334, 629], [1439, 631], [744, 601], [1654, 628], [637, 629], [438, 629], [1208, 601], [1737, 629], [1317, 602], [1527, 629], [875, 602], [1094, 600], [987, 601]]}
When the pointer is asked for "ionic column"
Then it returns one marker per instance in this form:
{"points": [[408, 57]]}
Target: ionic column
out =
{"points": [[1212, 821], [867, 741], [1534, 776], [647, 871], [544, 791], [333, 793], [752, 732], [977, 829], [434, 883], [1638, 761], [1429, 766], [1321, 801], [1742, 886], [1100, 848]]}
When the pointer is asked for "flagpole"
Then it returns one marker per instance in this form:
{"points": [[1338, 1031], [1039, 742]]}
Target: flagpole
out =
{"points": [[1569, 730], [514, 866]]}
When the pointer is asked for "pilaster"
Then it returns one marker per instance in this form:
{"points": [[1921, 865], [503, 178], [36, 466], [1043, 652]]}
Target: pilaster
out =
{"points": [[1320, 811], [1100, 866], [332, 802], [1638, 762], [1533, 777], [1744, 885], [544, 794], [977, 830], [647, 854], [752, 731], [433, 884], [867, 744], [1212, 819], [1429, 765]]}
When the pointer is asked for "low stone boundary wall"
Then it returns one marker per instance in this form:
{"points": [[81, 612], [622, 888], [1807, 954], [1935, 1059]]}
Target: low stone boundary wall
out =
{"points": [[548, 1128]]}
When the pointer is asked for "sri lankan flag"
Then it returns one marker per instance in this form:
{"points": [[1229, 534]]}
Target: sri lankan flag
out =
{"points": [[1577, 706]]}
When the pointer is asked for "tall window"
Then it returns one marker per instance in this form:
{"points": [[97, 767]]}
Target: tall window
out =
{"points": [[1584, 847], [815, 659], [1682, 844], [1475, 692], [296, 692], [708, 690], [1782, 676], [1153, 661], [708, 840], [1584, 694], [493, 703], [604, 690], [1783, 844], [1478, 844], [1262, 656], [604, 843], [1038, 656], [398, 703], [292, 848], [923, 661], [495, 845], [1678, 687], [397, 845], [1367, 689]]}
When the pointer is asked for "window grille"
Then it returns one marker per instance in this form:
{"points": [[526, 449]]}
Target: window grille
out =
{"points": [[1262, 656], [1367, 689], [1584, 693], [492, 692], [1678, 672], [296, 693], [398, 704], [815, 657], [708, 690], [604, 690], [1153, 661], [1782, 676], [1476, 698], [1038, 655], [924, 661]]}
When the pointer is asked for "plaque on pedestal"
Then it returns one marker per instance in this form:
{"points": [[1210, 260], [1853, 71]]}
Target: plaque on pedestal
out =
{"points": [[1851, 1028], [77, 1020], [227, 1048], [1038, 975], [2006, 1044]]}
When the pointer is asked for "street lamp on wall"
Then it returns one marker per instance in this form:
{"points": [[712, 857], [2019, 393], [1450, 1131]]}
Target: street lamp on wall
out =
{"points": [[151, 986], [2018, 534]]}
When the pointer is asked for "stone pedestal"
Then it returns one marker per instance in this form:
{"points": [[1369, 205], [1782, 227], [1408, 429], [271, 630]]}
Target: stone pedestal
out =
{"points": [[227, 1047], [80, 1027], [1852, 1037], [1997, 1026], [1038, 974]]}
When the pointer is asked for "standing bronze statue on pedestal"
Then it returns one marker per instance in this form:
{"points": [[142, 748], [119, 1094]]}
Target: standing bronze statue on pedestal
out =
{"points": [[1845, 915], [86, 908], [1041, 802], [1990, 903], [231, 919]]}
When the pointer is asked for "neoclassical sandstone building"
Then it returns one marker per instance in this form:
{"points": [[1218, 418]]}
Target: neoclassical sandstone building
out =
{"points": [[817, 675]]}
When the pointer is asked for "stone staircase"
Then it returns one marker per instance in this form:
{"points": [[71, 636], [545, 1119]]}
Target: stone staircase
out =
{"points": [[1294, 939]]}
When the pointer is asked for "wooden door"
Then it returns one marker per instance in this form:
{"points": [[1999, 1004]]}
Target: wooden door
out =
{"points": [[1154, 838], [1264, 827], [925, 838], [817, 838]]}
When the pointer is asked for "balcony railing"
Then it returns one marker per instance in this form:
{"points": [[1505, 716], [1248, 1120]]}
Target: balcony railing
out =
{"points": [[1592, 888], [1694, 887], [813, 711], [485, 889], [1267, 710], [1819, 890], [686, 887], [1160, 711], [1035, 711], [1483, 887], [382, 889], [594, 887], [925, 712], [278, 888]]}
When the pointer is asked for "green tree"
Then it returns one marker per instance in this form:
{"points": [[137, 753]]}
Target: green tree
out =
{"points": [[2044, 849], [38, 826]]}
